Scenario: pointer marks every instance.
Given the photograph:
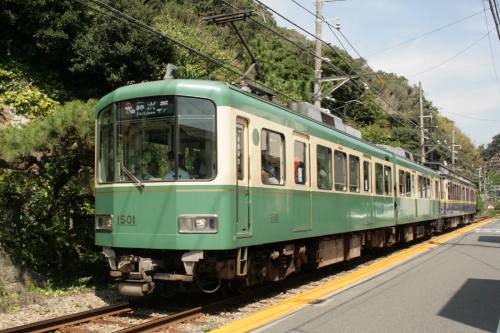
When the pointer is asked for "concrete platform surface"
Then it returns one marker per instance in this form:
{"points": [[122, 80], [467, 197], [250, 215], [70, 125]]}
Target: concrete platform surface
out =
{"points": [[454, 287]]}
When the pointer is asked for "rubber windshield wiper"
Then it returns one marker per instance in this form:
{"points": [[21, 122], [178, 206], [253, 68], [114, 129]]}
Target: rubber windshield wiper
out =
{"points": [[131, 176]]}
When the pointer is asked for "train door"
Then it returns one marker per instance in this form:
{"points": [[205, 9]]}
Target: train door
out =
{"points": [[243, 218], [301, 199]]}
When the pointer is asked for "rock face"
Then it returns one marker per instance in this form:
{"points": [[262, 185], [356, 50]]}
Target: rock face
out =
{"points": [[6, 115], [12, 277]]}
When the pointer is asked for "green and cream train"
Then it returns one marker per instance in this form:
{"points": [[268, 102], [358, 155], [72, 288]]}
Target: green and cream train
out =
{"points": [[199, 183]]}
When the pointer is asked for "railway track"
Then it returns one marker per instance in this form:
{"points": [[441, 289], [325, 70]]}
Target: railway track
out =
{"points": [[177, 317]]}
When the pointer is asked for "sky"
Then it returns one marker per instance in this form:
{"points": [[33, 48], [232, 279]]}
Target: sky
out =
{"points": [[464, 89]]}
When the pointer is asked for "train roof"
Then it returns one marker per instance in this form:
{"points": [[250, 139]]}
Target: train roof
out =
{"points": [[224, 94]]}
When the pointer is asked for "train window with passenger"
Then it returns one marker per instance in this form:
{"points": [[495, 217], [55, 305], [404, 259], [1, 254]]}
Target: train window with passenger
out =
{"points": [[379, 178], [409, 184], [299, 163], [272, 158], [366, 176], [387, 180], [353, 173], [340, 175], [402, 183], [324, 167]]}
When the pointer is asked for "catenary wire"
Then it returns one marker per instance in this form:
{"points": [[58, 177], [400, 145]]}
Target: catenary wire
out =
{"points": [[491, 48], [115, 13], [424, 34], [452, 57]]}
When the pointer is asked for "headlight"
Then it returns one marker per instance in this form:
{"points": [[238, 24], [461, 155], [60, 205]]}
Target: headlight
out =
{"points": [[104, 222], [203, 224]]}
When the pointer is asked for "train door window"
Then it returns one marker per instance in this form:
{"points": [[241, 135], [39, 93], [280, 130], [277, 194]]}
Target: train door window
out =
{"points": [[240, 153], [413, 185], [353, 173], [387, 180], [420, 187], [299, 163], [272, 153], [324, 167], [340, 174], [408, 184], [402, 183], [366, 176], [436, 185], [428, 188], [379, 178]]}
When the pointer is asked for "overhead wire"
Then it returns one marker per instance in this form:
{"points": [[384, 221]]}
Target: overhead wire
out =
{"points": [[468, 47], [363, 59], [343, 58], [491, 48], [360, 88], [425, 34], [469, 117], [115, 13]]}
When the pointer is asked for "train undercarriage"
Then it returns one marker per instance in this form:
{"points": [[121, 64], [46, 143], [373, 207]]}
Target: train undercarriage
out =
{"points": [[140, 272]]}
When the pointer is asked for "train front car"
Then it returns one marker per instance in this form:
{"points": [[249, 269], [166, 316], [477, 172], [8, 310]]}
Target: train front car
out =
{"points": [[162, 193]]}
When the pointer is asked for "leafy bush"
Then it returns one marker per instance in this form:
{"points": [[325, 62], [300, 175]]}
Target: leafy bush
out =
{"points": [[46, 194]]}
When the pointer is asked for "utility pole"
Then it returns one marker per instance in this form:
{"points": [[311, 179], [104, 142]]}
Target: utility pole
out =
{"points": [[453, 145], [422, 132], [317, 60]]}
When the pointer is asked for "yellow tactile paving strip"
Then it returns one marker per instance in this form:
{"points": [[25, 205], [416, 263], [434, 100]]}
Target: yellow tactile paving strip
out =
{"points": [[278, 310]]}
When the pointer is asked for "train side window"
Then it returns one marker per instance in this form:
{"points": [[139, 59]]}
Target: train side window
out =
{"points": [[402, 183], [299, 163], [272, 158], [436, 184], [366, 176], [340, 165], [408, 182], [353, 173], [379, 178], [387, 180], [324, 167]]}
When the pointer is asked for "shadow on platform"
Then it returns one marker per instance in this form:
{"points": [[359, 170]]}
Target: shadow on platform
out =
{"points": [[489, 239], [475, 304]]}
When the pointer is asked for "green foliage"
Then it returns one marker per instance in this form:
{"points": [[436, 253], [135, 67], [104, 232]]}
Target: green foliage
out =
{"points": [[53, 51], [491, 148], [87, 51], [46, 194], [20, 94]]}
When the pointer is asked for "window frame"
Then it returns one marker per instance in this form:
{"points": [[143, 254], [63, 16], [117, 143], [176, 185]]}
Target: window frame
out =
{"points": [[357, 173], [330, 150], [282, 180], [345, 168], [305, 170], [367, 182]]}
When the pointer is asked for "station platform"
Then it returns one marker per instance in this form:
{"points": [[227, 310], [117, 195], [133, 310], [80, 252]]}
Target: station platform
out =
{"points": [[450, 284]]}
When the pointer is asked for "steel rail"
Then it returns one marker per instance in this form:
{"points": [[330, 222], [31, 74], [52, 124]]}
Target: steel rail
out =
{"points": [[156, 323], [72, 319]]}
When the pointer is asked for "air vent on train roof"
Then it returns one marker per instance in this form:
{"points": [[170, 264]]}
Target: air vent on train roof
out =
{"points": [[397, 150], [324, 116]]}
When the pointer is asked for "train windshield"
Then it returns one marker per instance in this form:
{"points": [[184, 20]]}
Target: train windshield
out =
{"points": [[157, 139]]}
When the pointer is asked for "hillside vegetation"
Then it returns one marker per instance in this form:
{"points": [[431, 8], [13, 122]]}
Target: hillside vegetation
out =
{"points": [[58, 57]]}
